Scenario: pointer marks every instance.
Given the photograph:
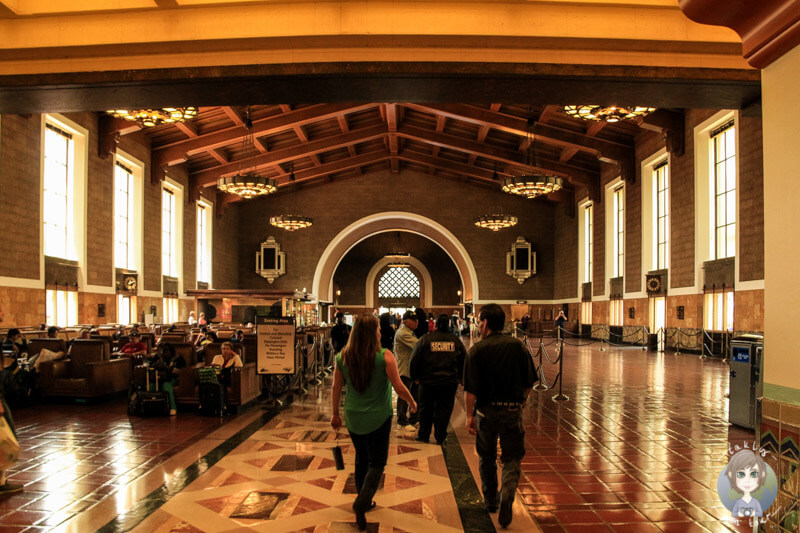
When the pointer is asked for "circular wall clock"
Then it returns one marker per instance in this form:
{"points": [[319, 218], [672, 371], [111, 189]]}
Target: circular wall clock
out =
{"points": [[129, 282], [654, 284]]}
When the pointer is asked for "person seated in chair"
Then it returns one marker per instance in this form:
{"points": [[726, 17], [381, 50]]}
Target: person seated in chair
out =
{"points": [[168, 364], [15, 342], [135, 346], [226, 361], [52, 332]]}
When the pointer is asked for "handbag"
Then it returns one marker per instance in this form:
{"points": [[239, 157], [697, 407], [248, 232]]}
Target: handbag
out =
{"points": [[9, 447], [338, 458]]}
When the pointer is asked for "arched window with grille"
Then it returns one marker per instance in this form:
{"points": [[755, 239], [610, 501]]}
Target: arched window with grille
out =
{"points": [[398, 282]]}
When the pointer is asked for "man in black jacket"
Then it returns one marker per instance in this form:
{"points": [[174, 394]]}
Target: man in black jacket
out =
{"points": [[340, 333], [437, 362], [498, 377]]}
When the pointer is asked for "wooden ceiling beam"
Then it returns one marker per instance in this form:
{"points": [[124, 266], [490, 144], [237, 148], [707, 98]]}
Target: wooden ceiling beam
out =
{"points": [[585, 176], [548, 112], [441, 120], [211, 175], [301, 134], [325, 169], [179, 151], [606, 151], [391, 123], [483, 132], [593, 129], [190, 132], [446, 164]]}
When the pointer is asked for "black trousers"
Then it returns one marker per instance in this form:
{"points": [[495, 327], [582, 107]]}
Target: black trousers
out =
{"points": [[403, 418], [372, 451], [435, 408], [494, 422]]}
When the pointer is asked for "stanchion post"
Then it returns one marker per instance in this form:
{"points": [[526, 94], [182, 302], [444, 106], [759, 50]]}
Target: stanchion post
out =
{"points": [[561, 397], [540, 385], [644, 338], [678, 342]]}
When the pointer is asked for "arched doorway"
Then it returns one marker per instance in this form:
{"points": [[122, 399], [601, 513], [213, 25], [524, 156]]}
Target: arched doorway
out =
{"points": [[393, 221]]}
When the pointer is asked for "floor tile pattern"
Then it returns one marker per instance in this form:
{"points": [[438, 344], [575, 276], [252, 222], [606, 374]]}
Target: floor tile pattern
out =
{"points": [[638, 447], [74, 455], [275, 482]]}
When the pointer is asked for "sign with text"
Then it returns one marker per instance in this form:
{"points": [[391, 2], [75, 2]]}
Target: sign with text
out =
{"points": [[275, 345]]}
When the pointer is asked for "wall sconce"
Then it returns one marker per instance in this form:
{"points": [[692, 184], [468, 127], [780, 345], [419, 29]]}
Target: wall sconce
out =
{"points": [[338, 292], [458, 292]]}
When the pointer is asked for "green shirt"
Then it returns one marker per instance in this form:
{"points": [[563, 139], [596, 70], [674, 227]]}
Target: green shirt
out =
{"points": [[365, 412]]}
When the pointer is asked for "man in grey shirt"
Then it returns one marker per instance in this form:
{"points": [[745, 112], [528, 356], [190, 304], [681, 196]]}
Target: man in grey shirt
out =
{"points": [[404, 342]]}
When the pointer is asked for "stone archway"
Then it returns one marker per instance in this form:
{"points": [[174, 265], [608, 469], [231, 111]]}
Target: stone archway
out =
{"points": [[393, 221]]}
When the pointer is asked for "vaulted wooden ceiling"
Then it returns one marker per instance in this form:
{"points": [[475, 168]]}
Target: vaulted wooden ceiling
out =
{"points": [[478, 143]]}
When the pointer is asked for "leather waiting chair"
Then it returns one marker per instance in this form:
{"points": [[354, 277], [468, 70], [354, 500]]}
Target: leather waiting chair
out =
{"points": [[87, 372]]}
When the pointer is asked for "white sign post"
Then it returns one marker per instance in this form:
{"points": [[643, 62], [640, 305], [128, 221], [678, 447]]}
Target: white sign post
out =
{"points": [[275, 345]]}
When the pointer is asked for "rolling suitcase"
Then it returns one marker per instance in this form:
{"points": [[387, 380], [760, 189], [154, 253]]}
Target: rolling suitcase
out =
{"points": [[152, 403]]}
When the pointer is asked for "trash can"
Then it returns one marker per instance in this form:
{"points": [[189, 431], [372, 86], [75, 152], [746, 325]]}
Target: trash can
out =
{"points": [[746, 357], [652, 342]]}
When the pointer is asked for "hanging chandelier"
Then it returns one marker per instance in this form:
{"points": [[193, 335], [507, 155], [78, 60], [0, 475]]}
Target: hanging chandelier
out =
{"points": [[531, 184], [612, 113], [247, 184], [496, 220], [291, 222], [149, 118]]}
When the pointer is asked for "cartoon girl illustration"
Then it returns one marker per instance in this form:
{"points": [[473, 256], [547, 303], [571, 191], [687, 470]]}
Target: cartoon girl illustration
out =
{"points": [[746, 472]]}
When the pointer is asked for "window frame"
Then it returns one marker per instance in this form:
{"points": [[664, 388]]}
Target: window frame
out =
{"points": [[718, 310], [588, 241], [204, 242], [661, 212], [397, 271], [169, 263], [725, 137], [618, 235], [61, 307], [616, 312], [129, 244]]}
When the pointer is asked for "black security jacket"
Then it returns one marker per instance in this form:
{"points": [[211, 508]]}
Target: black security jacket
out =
{"points": [[438, 359]]}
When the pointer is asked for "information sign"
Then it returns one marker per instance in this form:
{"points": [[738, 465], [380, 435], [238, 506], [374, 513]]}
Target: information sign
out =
{"points": [[275, 345]]}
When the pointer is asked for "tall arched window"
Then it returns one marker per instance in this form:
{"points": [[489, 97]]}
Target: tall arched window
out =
{"points": [[398, 282]]}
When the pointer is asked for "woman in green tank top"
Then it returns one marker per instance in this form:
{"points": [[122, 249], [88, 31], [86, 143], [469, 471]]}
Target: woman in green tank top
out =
{"points": [[368, 371]]}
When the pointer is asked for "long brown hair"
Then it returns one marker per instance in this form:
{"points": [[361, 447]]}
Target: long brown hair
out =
{"points": [[359, 354]]}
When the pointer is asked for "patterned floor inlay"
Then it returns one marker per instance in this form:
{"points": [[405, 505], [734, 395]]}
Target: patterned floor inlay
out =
{"points": [[275, 482]]}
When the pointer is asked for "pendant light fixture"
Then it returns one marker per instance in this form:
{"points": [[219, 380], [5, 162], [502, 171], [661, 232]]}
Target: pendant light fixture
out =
{"points": [[611, 113], [531, 183], [496, 220], [149, 118], [247, 184]]}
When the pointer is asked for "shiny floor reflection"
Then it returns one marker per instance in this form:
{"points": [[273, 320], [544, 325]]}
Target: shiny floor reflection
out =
{"points": [[638, 447]]}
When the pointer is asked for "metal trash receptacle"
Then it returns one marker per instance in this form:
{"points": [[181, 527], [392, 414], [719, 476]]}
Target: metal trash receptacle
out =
{"points": [[746, 358]]}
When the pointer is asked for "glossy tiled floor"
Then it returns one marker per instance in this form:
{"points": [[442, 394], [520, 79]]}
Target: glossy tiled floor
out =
{"points": [[638, 447]]}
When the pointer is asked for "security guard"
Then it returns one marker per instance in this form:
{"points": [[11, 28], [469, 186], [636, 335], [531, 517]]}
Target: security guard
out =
{"points": [[437, 363]]}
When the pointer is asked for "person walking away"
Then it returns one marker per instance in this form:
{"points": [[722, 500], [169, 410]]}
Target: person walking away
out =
{"points": [[422, 323], [367, 370], [387, 331], [498, 377], [340, 333], [404, 342], [437, 363]]}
